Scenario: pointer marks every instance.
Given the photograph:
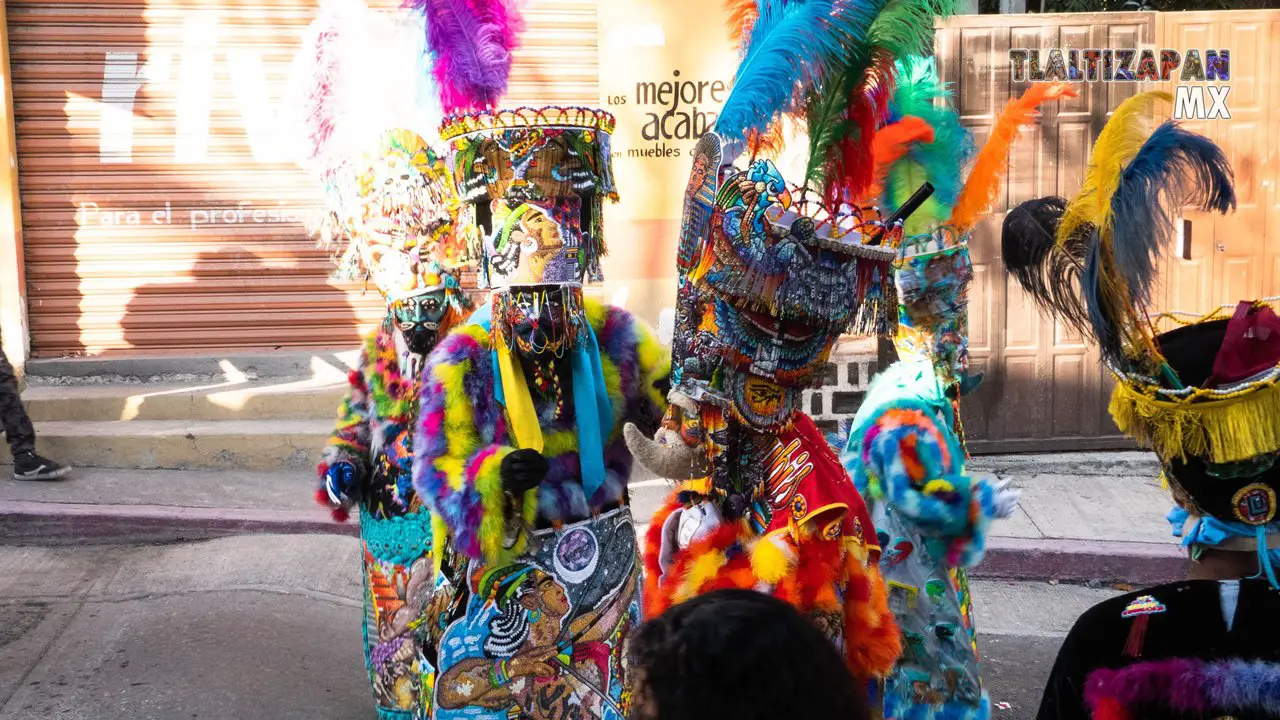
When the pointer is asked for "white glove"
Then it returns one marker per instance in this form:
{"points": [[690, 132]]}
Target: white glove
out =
{"points": [[1006, 497]]}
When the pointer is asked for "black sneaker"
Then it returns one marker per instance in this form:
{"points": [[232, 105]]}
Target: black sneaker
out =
{"points": [[30, 466]]}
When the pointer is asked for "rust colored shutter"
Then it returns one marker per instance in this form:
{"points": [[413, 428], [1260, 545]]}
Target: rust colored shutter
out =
{"points": [[159, 213]]}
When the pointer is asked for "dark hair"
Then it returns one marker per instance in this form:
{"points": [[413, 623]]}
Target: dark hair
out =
{"points": [[743, 655]]}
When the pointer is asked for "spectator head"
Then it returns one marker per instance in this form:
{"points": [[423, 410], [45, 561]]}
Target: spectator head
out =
{"points": [[739, 654]]}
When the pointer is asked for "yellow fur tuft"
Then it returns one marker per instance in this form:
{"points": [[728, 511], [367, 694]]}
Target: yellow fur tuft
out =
{"points": [[772, 559], [703, 570], [597, 313], [439, 531]]}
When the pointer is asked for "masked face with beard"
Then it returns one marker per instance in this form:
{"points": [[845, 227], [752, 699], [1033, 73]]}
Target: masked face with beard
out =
{"points": [[419, 318]]}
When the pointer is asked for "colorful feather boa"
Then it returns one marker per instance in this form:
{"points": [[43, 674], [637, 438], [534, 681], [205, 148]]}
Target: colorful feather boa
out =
{"points": [[1186, 687], [463, 434], [820, 578]]}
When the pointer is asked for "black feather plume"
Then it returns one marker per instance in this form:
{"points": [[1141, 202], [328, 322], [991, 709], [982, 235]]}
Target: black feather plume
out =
{"points": [[1048, 272]]}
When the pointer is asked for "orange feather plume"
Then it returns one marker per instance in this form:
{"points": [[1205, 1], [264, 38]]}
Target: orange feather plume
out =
{"points": [[981, 187], [742, 18], [890, 143], [767, 144]]}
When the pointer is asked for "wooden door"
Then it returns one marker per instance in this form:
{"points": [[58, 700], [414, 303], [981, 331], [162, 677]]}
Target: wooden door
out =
{"points": [[1222, 259]]}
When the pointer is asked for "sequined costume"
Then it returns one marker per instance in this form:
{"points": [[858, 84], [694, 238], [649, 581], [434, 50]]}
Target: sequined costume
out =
{"points": [[770, 276], [375, 434], [905, 456], [537, 587], [905, 448]]}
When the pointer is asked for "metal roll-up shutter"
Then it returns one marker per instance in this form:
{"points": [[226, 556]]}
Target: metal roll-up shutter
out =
{"points": [[159, 211]]}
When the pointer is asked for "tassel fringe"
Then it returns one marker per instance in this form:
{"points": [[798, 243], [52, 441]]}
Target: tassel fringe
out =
{"points": [[1224, 431]]}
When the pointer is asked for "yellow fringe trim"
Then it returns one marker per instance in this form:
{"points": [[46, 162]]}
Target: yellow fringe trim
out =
{"points": [[1237, 427]]}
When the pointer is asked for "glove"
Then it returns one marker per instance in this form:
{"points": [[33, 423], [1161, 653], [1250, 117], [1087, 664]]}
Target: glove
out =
{"points": [[340, 483], [522, 470], [1006, 498]]}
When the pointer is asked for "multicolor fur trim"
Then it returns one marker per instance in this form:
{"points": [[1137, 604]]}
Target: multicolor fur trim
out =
{"points": [[902, 451], [824, 579], [462, 433], [1190, 687], [380, 402]]}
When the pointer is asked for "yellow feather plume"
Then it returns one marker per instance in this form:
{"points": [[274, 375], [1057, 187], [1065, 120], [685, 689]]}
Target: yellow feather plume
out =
{"points": [[1117, 144]]}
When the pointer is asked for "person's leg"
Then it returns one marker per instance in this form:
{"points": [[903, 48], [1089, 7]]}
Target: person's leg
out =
{"points": [[19, 432], [17, 426]]}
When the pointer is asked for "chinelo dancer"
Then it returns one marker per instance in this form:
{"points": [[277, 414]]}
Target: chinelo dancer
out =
{"points": [[905, 448], [1201, 391], [391, 206], [518, 450]]}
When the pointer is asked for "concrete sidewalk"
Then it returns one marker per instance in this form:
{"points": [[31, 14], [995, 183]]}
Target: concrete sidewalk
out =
{"points": [[1083, 516]]}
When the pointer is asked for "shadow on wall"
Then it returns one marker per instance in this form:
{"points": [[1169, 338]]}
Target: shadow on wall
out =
{"points": [[238, 298]]}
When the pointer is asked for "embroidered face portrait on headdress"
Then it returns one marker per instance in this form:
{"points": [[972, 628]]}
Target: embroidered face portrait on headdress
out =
{"points": [[535, 182]]}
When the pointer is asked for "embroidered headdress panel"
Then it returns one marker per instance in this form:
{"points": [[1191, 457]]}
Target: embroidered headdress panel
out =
{"points": [[534, 181]]}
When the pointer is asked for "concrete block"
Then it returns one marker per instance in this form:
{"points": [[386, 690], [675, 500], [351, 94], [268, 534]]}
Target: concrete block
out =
{"points": [[321, 364]]}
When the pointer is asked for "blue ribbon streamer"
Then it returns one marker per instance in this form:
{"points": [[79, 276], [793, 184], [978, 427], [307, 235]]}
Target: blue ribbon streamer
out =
{"points": [[1212, 532]]}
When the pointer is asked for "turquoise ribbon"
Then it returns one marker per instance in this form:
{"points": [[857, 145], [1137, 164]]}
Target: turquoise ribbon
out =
{"points": [[594, 412]]}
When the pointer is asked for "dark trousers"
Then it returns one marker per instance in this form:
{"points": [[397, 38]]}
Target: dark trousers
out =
{"points": [[17, 426]]}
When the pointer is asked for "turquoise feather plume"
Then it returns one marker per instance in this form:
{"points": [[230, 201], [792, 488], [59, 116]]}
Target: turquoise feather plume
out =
{"points": [[845, 104], [792, 43]]}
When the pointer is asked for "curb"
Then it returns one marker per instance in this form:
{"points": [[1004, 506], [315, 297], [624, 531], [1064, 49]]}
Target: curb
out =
{"points": [[1082, 561], [1069, 561], [73, 523], [1134, 463]]}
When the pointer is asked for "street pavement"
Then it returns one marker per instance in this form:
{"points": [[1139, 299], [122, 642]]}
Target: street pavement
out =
{"points": [[267, 626]]}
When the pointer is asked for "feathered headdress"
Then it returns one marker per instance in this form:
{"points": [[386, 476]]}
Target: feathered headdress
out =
{"points": [[471, 42], [845, 109], [922, 142], [1091, 262], [366, 111], [905, 155]]}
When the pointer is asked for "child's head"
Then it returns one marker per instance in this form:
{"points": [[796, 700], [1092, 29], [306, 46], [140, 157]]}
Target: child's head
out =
{"points": [[739, 654]]}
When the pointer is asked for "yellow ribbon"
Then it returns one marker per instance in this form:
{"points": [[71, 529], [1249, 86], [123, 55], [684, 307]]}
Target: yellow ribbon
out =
{"points": [[524, 420]]}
